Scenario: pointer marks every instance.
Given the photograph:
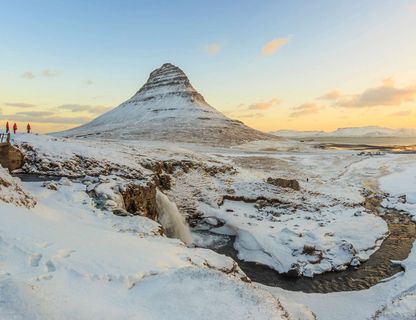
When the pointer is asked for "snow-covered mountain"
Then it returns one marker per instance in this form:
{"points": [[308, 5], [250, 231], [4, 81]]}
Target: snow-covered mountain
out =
{"points": [[370, 131], [167, 107]]}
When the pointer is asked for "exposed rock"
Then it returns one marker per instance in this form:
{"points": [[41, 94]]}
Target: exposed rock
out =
{"points": [[140, 199], [76, 166], [284, 183], [50, 185], [12, 192], [10, 157], [308, 249], [165, 182]]}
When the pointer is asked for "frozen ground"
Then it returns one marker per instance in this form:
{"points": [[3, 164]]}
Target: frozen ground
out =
{"points": [[66, 259], [401, 187], [324, 226]]}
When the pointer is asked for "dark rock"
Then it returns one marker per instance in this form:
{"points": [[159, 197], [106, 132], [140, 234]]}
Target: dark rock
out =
{"points": [[165, 182], [294, 271], [308, 249], [284, 183], [140, 199]]}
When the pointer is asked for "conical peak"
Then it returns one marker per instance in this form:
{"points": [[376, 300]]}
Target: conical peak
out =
{"points": [[166, 80], [166, 75]]}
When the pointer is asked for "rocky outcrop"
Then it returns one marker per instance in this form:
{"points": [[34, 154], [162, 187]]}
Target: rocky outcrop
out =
{"points": [[140, 199], [76, 166], [10, 157], [12, 192], [284, 183]]}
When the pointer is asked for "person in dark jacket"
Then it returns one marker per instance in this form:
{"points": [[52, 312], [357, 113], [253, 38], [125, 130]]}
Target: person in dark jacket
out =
{"points": [[7, 127], [28, 128]]}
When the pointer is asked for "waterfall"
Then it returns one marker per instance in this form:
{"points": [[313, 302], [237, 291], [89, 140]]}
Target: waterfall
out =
{"points": [[171, 219]]}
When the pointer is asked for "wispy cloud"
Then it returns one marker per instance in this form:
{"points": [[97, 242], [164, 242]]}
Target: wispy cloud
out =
{"points": [[89, 82], [273, 46], [331, 95], [57, 115], [403, 113], [19, 105], [213, 48], [305, 109], [385, 95], [46, 73], [264, 105], [28, 75], [244, 114], [33, 114], [254, 110], [83, 107], [28, 117]]}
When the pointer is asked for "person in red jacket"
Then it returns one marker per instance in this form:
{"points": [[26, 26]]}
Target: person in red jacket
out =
{"points": [[28, 128], [14, 128], [7, 127]]}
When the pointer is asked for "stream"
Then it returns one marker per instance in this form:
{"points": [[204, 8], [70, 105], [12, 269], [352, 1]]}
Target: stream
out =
{"points": [[379, 267]]}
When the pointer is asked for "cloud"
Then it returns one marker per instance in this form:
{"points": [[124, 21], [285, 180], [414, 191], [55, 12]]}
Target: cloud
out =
{"points": [[331, 95], [213, 48], [84, 107], [251, 115], [305, 109], [89, 82], [385, 95], [273, 46], [34, 113], [19, 105], [28, 75], [49, 119], [264, 105], [403, 113], [47, 73]]}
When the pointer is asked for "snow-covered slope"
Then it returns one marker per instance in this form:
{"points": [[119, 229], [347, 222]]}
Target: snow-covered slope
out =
{"points": [[167, 107], [370, 131]]}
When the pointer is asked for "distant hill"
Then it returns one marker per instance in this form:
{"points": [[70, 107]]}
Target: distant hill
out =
{"points": [[370, 131]]}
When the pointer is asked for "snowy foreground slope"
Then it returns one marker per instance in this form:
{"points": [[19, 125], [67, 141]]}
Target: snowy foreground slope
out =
{"points": [[65, 259], [70, 251], [167, 107]]}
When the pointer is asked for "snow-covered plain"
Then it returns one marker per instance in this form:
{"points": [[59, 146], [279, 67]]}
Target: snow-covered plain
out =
{"points": [[65, 252]]}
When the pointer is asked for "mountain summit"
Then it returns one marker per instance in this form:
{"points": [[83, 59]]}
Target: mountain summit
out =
{"points": [[167, 107]]}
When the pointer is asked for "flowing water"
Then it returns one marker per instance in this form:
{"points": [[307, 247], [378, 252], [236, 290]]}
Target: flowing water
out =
{"points": [[378, 268], [171, 220]]}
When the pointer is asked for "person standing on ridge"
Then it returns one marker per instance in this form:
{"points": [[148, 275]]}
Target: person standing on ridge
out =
{"points": [[14, 128], [7, 127], [28, 128]]}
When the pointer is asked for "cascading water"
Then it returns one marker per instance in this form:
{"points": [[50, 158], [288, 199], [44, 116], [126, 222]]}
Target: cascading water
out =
{"points": [[171, 219]]}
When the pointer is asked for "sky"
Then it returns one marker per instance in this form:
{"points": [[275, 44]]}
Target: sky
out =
{"points": [[301, 65]]}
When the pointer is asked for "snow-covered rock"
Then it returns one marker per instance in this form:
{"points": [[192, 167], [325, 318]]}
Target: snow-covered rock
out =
{"points": [[12, 192], [167, 107]]}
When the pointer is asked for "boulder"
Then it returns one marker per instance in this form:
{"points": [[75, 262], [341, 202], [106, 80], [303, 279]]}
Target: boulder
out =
{"points": [[284, 183]]}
